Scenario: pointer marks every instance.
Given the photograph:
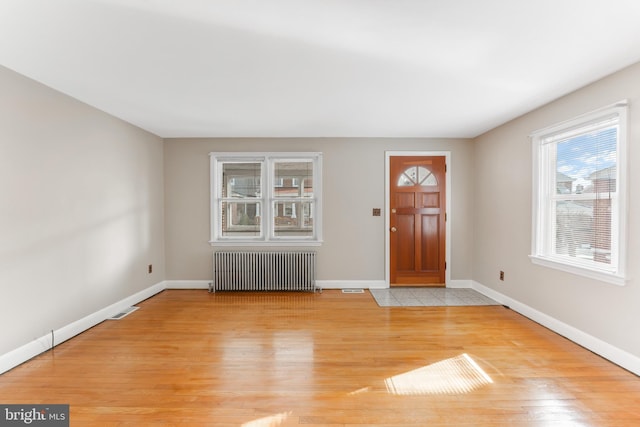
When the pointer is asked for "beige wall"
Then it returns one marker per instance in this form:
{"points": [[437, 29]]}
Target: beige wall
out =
{"points": [[81, 214], [353, 184], [502, 221]]}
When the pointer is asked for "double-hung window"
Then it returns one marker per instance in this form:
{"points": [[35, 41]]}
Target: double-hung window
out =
{"points": [[266, 198], [579, 195]]}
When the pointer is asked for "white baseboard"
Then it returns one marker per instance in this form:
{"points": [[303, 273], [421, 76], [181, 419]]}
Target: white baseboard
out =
{"points": [[28, 351], [324, 284], [602, 348], [187, 284], [459, 284], [352, 284]]}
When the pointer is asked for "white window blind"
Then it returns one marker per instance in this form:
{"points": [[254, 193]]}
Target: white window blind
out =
{"points": [[579, 194]]}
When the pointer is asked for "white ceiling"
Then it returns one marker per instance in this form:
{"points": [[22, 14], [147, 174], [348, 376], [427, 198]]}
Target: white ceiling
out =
{"points": [[296, 68]]}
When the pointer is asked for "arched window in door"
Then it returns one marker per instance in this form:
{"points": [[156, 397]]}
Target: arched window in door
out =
{"points": [[416, 175]]}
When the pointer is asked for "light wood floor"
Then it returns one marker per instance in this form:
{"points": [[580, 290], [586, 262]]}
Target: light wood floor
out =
{"points": [[333, 359]]}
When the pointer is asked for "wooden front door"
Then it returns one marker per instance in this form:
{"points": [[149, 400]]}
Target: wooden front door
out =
{"points": [[417, 220]]}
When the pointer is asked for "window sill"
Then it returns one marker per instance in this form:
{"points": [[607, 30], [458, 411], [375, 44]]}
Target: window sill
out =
{"points": [[602, 276], [262, 243]]}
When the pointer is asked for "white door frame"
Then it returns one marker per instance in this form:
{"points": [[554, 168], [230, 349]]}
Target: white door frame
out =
{"points": [[387, 217]]}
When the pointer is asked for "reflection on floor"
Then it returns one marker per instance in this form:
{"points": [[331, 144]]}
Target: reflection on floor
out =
{"points": [[429, 297]]}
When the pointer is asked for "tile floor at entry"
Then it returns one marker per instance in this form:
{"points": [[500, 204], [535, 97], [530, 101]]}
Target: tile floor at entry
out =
{"points": [[429, 297]]}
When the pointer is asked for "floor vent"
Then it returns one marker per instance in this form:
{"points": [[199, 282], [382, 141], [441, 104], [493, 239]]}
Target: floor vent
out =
{"points": [[353, 291], [123, 313]]}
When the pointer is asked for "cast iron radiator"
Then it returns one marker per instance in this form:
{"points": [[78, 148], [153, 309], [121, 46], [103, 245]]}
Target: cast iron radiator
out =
{"points": [[264, 271]]}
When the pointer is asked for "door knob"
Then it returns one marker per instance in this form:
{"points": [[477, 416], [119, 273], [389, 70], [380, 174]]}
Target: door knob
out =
{"points": [[393, 229]]}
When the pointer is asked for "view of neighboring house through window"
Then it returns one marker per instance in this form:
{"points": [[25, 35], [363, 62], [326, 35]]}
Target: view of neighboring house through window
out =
{"points": [[579, 195], [265, 197], [241, 199], [293, 194]]}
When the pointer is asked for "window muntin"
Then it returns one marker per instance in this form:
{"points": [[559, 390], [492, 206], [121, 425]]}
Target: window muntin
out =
{"points": [[579, 195], [417, 175], [265, 198]]}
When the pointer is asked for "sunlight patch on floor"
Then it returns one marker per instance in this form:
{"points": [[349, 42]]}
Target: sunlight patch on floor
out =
{"points": [[457, 375]]}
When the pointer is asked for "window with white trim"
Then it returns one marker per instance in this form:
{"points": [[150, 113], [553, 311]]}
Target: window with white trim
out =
{"points": [[266, 198], [579, 195]]}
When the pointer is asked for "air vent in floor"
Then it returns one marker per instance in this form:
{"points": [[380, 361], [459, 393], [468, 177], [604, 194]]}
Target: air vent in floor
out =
{"points": [[353, 291], [123, 313]]}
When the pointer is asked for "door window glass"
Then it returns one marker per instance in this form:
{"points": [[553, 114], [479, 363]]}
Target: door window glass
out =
{"points": [[417, 175]]}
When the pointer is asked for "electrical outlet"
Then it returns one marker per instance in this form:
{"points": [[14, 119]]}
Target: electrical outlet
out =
{"points": [[502, 275], [150, 268]]}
